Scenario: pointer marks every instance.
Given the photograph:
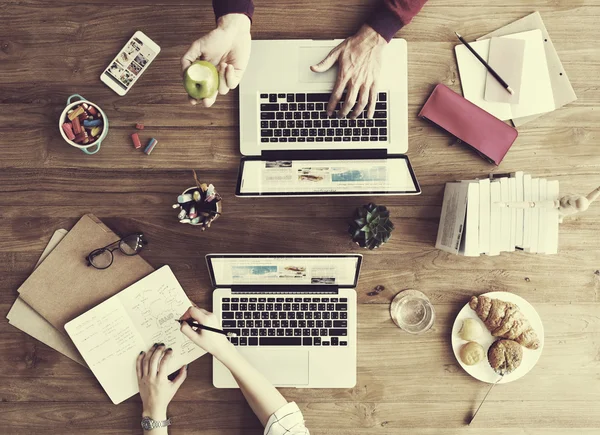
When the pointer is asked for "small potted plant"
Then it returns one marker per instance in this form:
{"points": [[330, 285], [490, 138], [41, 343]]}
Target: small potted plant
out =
{"points": [[199, 205], [371, 226]]}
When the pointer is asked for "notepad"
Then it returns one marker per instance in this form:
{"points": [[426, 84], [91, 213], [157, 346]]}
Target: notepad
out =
{"points": [[561, 86], [536, 95], [506, 58], [111, 335]]}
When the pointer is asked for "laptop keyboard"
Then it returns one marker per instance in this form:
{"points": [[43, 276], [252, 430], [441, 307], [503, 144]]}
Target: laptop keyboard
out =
{"points": [[306, 321], [303, 118]]}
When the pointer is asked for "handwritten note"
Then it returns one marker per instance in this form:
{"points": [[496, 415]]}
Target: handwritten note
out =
{"points": [[111, 335]]}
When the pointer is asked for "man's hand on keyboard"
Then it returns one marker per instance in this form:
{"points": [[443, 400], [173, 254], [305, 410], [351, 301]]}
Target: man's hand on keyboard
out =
{"points": [[359, 65], [228, 48], [211, 342]]}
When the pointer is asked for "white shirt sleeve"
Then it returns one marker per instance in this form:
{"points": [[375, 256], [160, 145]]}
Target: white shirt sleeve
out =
{"points": [[286, 420]]}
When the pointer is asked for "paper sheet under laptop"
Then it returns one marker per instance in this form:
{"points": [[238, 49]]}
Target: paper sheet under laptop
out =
{"points": [[111, 335], [536, 94]]}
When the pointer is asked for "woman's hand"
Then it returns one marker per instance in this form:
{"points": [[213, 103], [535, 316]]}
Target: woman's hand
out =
{"points": [[359, 65], [213, 343], [156, 389], [228, 48]]}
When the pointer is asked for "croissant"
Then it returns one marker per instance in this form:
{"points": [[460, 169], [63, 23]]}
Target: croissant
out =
{"points": [[505, 320]]}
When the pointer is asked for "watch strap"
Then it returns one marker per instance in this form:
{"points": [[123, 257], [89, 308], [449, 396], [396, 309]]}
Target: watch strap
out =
{"points": [[149, 424]]}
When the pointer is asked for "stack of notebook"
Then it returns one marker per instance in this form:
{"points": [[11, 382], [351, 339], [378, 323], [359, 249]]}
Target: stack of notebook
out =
{"points": [[102, 319], [522, 54], [489, 216]]}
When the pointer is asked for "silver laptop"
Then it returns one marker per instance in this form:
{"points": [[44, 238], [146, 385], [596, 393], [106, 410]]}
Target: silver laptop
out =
{"points": [[294, 316], [293, 148]]}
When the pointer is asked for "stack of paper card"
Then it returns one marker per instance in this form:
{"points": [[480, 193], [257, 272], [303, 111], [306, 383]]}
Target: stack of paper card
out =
{"points": [[524, 56], [489, 216]]}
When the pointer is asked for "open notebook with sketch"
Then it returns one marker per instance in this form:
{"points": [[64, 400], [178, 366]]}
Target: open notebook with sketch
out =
{"points": [[111, 335]]}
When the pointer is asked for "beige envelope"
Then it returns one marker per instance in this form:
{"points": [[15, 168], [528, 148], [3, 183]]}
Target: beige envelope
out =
{"points": [[561, 86], [25, 318]]}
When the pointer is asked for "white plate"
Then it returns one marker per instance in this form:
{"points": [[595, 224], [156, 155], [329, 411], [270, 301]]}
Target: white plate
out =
{"points": [[483, 371]]}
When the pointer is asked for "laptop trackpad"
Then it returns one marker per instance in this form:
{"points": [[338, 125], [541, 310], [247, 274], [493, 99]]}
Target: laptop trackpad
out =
{"points": [[279, 367], [311, 56]]}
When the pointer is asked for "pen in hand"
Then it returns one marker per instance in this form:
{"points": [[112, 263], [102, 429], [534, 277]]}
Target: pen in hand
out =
{"points": [[196, 326]]}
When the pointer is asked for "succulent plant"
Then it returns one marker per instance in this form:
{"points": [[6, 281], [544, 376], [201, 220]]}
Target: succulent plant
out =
{"points": [[371, 226]]}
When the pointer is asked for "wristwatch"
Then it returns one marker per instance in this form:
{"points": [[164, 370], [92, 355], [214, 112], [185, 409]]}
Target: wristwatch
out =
{"points": [[149, 424]]}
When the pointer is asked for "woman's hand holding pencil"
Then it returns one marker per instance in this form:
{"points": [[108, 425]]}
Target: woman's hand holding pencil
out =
{"points": [[215, 343]]}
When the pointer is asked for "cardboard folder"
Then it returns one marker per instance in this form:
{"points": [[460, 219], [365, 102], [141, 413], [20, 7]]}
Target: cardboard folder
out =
{"points": [[25, 318], [64, 286], [561, 86]]}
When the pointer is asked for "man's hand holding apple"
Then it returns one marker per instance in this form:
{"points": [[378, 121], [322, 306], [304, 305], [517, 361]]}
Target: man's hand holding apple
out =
{"points": [[228, 48]]}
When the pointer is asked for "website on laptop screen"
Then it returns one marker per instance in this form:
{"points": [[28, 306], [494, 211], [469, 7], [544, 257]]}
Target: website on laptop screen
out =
{"points": [[284, 270], [391, 175]]}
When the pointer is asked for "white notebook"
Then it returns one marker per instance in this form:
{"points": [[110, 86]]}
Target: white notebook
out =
{"points": [[536, 88], [111, 335], [484, 215]]}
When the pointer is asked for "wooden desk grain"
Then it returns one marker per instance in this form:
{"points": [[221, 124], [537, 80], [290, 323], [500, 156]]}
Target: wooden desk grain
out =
{"points": [[406, 385]]}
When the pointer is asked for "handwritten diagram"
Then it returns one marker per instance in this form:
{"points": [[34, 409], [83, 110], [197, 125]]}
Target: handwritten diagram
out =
{"points": [[154, 312]]}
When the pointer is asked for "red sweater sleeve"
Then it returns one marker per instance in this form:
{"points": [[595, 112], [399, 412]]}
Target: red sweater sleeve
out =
{"points": [[392, 15], [224, 7]]}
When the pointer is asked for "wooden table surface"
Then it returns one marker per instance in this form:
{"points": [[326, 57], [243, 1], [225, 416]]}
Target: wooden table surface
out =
{"points": [[406, 384]]}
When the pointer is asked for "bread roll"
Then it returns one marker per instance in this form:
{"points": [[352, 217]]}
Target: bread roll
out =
{"points": [[471, 353], [471, 330], [505, 356]]}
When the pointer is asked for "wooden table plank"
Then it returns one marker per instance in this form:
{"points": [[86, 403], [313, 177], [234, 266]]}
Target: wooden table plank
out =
{"points": [[406, 384]]}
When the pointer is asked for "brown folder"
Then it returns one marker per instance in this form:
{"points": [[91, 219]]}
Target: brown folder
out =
{"points": [[64, 286], [25, 318]]}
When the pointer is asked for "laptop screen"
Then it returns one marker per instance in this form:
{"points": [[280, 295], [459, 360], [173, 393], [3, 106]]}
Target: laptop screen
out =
{"points": [[280, 269], [392, 175]]}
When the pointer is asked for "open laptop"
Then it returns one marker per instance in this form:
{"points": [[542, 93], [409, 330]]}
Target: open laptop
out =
{"points": [[294, 316], [293, 148]]}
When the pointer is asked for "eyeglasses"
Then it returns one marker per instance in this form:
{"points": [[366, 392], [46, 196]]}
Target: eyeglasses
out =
{"points": [[129, 245]]}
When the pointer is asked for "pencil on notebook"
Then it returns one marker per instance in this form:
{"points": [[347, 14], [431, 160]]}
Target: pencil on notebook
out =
{"points": [[197, 325], [489, 68]]}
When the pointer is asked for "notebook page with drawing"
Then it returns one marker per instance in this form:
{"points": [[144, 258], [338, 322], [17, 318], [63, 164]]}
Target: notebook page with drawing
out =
{"points": [[111, 335]]}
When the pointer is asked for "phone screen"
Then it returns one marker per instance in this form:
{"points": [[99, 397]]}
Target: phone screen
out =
{"points": [[130, 62]]}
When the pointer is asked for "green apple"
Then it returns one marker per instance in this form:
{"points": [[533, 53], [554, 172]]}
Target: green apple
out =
{"points": [[201, 80]]}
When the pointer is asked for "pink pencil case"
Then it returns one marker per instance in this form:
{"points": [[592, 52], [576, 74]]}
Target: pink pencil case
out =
{"points": [[473, 126]]}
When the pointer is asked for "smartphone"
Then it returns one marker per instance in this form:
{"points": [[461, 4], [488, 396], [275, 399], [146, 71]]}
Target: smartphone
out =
{"points": [[130, 63]]}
